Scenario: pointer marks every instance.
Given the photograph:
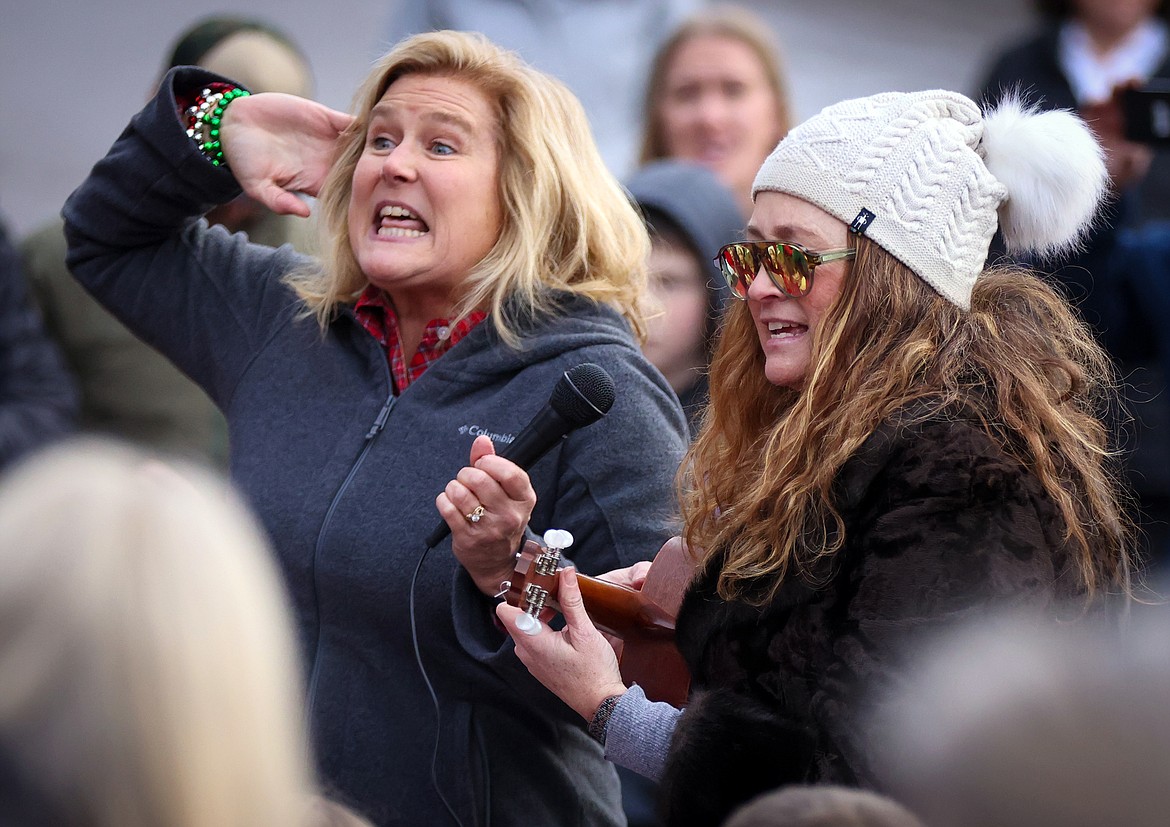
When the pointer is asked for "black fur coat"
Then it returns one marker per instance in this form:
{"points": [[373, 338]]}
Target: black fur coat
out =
{"points": [[941, 526]]}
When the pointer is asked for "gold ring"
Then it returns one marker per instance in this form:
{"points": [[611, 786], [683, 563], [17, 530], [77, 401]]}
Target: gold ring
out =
{"points": [[476, 514]]}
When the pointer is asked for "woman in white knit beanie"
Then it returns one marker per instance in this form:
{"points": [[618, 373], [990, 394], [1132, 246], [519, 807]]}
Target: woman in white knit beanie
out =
{"points": [[899, 439]]}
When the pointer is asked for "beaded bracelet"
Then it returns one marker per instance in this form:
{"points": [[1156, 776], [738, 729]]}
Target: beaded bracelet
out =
{"points": [[203, 117], [600, 722]]}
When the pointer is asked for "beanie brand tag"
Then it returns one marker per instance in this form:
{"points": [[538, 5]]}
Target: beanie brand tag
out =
{"points": [[861, 222]]}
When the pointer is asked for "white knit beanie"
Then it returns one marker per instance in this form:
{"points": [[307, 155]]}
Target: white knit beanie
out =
{"points": [[929, 177]]}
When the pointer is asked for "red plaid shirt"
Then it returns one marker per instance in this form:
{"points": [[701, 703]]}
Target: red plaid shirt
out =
{"points": [[378, 316]]}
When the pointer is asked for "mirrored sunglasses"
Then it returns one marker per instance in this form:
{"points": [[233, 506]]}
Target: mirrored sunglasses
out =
{"points": [[790, 266]]}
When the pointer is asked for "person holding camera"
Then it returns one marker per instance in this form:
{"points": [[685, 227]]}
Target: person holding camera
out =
{"points": [[1085, 58]]}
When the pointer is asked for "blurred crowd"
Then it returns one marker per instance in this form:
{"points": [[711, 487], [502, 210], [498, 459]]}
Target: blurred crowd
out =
{"points": [[150, 667]]}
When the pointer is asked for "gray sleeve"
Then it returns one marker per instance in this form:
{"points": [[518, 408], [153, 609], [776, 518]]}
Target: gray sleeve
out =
{"points": [[639, 732]]}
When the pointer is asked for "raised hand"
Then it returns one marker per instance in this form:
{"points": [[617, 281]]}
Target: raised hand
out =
{"points": [[577, 664], [279, 145], [487, 506]]}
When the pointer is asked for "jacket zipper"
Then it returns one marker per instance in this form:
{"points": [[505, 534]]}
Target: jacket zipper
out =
{"points": [[369, 439]]}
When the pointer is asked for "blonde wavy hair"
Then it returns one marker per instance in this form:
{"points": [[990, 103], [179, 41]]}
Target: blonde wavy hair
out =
{"points": [[150, 675], [757, 483], [568, 224], [735, 23]]}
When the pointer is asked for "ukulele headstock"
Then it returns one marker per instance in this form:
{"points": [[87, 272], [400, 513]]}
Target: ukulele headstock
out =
{"points": [[533, 584]]}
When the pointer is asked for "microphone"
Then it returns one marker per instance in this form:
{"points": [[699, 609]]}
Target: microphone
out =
{"points": [[582, 396]]}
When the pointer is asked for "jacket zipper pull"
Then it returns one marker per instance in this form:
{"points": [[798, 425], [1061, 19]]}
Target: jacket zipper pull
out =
{"points": [[380, 422]]}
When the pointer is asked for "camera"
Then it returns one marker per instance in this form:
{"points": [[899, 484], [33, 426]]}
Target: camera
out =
{"points": [[1146, 113]]}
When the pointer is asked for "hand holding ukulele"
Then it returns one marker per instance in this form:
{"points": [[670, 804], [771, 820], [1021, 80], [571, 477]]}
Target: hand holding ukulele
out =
{"points": [[581, 664], [577, 664]]}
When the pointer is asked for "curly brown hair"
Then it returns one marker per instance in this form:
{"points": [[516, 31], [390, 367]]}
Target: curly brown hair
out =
{"points": [[757, 484]]}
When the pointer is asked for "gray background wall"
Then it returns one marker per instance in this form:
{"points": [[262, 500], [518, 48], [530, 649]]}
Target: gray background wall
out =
{"points": [[74, 72]]}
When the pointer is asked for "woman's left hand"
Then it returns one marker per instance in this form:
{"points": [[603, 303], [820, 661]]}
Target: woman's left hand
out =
{"points": [[487, 506], [577, 664]]}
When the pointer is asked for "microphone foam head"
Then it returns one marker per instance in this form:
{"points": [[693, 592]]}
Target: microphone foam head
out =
{"points": [[583, 395]]}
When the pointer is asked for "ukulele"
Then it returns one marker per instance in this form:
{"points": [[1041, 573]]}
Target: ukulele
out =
{"points": [[642, 620]]}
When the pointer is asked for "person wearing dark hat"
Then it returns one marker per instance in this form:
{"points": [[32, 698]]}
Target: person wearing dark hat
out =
{"points": [[260, 57], [1080, 58], [127, 388], [689, 213]]}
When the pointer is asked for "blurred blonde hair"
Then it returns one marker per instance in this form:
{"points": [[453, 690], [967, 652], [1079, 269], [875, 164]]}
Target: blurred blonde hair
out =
{"points": [[149, 672], [568, 225], [735, 23]]}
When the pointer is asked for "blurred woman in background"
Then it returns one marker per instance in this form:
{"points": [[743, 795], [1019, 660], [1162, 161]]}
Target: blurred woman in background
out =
{"points": [[717, 96]]}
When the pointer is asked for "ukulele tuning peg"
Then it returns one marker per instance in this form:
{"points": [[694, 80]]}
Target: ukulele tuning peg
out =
{"points": [[528, 624], [557, 539]]}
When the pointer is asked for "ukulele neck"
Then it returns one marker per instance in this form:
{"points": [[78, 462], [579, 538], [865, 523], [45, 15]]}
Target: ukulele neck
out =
{"points": [[615, 609]]}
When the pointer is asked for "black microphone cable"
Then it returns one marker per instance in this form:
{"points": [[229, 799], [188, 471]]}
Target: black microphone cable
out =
{"points": [[422, 670]]}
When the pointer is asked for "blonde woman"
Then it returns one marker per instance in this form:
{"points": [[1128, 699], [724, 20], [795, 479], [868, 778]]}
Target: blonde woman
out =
{"points": [[717, 96], [475, 249], [148, 659]]}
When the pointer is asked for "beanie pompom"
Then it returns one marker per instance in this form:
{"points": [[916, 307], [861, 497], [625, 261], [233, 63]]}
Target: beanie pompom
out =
{"points": [[1054, 171]]}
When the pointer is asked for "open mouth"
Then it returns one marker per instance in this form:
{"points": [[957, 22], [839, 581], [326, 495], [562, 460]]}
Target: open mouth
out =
{"points": [[785, 330], [394, 221]]}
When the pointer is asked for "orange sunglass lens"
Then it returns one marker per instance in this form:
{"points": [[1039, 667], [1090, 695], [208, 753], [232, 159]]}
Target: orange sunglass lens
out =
{"points": [[788, 264], [740, 264]]}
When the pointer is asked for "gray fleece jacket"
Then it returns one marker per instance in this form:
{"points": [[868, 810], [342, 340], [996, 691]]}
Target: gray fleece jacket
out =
{"points": [[344, 473]]}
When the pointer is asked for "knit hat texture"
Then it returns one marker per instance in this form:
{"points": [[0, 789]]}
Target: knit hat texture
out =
{"points": [[915, 173]]}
